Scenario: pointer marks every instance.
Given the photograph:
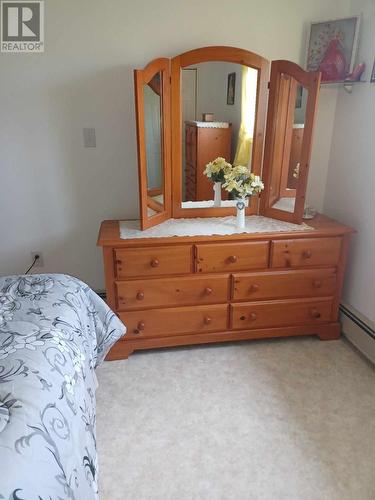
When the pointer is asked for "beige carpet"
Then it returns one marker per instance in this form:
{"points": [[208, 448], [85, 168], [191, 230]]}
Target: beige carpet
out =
{"points": [[267, 420]]}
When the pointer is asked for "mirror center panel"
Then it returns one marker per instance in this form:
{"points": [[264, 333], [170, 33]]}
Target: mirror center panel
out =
{"points": [[218, 110]]}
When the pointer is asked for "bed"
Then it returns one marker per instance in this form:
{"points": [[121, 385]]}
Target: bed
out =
{"points": [[54, 332]]}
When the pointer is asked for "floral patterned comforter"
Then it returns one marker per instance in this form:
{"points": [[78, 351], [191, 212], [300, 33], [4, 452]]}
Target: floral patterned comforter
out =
{"points": [[54, 331]]}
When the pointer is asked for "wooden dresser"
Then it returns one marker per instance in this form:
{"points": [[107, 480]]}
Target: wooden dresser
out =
{"points": [[203, 145], [176, 291]]}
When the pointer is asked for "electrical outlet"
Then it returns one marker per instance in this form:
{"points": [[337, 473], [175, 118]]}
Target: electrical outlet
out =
{"points": [[40, 261]]}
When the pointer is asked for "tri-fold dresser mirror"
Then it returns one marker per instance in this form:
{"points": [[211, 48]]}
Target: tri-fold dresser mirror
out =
{"points": [[223, 102]]}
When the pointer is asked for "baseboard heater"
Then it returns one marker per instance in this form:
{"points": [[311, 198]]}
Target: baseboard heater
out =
{"points": [[359, 330]]}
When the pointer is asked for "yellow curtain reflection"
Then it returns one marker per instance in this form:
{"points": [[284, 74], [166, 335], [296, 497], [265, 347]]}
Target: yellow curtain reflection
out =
{"points": [[248, 104]]}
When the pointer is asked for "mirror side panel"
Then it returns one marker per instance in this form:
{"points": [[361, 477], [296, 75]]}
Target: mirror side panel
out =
{"points": [[152, 105], [290, 122]]}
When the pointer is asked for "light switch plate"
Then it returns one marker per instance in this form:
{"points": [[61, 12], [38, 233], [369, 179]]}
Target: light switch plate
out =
{"points": [[89, 138]]}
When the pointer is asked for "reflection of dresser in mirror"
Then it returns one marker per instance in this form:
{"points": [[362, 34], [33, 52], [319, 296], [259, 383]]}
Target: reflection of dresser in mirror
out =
{"points": [[204, 141], [289, 176]]}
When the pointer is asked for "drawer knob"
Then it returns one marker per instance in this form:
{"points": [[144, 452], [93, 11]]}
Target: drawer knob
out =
{"points": [[317, 284], [154, 263], [306, 254], [207, 320], [118, 262], [140, 296], [253, 316], [254, 287], [208, 290], [140, 327], [315, 313], [233, 259]]}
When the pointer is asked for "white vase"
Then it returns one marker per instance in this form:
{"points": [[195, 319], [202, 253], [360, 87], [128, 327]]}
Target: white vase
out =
{"points": [[241, 213], [217, 194]]}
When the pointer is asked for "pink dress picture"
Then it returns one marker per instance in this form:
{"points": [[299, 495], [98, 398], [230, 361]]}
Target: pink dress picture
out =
{"points": [[332, 47]]}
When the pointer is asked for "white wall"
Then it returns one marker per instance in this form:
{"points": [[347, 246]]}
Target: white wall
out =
{"points": [[350, 191], [53, 192]]}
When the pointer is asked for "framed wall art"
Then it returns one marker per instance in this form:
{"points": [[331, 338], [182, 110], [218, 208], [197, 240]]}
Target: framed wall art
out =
{"points": [[332, 47], [231, 89]]}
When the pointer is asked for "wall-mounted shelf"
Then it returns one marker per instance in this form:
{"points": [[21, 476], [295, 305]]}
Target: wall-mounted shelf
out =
{"points": [[348, 85]]}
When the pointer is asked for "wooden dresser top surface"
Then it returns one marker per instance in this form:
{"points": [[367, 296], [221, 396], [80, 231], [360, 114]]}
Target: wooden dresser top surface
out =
{"points": [[109, 234]]}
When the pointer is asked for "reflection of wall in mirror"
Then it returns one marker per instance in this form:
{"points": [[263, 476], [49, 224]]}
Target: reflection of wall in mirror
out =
{"points": [[212, 82], [295, 156], [299, 114], [189, 111], [153, 138], [297, 137]]}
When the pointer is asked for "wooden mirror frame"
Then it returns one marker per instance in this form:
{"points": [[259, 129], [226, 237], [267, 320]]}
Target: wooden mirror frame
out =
{"points": [[142, 78], [208, 54], [279, 101]]}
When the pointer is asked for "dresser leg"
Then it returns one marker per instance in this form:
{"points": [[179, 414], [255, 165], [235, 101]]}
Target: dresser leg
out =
{"points": [[331, 332], [119, 351]]}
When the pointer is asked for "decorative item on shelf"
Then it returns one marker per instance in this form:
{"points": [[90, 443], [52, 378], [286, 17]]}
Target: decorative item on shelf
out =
{"points": [[242, 183], [216, 171], [207, 117], [372, 78], [355, 75]]}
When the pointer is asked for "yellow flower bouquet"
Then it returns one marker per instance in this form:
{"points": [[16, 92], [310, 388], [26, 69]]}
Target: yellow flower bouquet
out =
{"points": [[242, 183], [217, 169]]}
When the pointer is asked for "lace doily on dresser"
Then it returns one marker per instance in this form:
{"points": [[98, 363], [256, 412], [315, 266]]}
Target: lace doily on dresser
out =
{"points": [[208, 227], [211, 124]]}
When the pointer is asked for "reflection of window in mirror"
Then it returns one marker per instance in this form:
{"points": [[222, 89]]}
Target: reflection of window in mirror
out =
{"points": [[152, 95], [288, 145], [204, 89]]}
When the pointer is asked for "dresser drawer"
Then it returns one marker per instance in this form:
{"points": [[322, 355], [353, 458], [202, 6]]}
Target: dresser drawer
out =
{"points": [[252, 315], [306, 252], [175, 321], [284, 284], [153, 261], [232, 257], [137, 294]]}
